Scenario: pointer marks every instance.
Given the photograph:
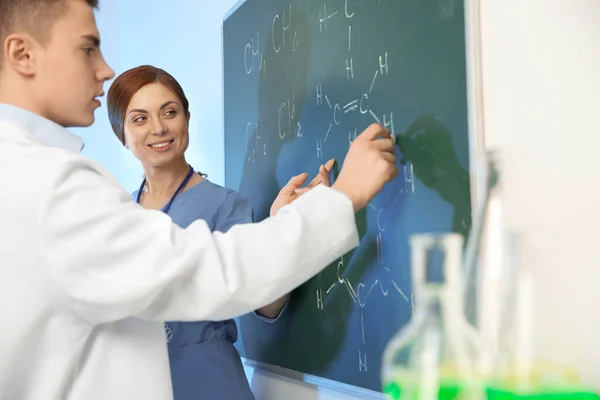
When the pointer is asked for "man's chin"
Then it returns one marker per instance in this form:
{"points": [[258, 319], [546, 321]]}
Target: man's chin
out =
{"points": [[82, 122]]}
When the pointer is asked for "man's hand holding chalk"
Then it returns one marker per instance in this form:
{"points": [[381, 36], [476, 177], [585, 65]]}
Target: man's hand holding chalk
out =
{"points": [[370, 163]]}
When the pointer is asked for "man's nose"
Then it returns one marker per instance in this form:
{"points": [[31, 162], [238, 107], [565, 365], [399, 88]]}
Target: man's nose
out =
{"points": [[104, 72]]}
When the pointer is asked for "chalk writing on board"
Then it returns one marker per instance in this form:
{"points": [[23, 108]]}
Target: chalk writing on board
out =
{"points": [[283, 35], [253, 59], [349, 68], [348, 15], [319, 148], [362, 361], [320, 298], [323, 17], [384, 282], [370, 90], [288, 108], [359, 104], [383, 64], [349, 37], [254, 133], [352, 135]]}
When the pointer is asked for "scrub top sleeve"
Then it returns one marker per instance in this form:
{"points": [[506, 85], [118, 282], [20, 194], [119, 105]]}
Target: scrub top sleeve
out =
{"points": [[236, 209], [274, 319]]}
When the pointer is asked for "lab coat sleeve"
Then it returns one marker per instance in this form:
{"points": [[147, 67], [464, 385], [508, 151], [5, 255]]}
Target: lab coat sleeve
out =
{"points": [[113, 259], [237, 209]]}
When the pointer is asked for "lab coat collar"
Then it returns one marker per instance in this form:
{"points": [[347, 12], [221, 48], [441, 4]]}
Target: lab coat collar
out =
{"points": [[42, 128]]}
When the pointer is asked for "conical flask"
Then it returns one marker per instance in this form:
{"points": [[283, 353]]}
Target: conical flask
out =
{"points": [[434, 355]]}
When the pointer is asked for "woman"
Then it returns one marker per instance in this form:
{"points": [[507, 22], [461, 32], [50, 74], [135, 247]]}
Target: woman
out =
{"points": [[149, 114]]}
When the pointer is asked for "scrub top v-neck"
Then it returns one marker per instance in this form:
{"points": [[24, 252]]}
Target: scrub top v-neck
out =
{"points": [[167, 206]]}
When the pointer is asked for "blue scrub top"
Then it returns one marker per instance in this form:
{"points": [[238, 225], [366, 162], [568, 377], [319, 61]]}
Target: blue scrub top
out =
{"points": [[204, 363]]}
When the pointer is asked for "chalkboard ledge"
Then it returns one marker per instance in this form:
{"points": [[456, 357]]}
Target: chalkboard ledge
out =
{"points": [[328, 384]]}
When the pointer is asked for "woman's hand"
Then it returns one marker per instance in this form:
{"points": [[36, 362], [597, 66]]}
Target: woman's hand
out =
{"points": [[293, 189]]}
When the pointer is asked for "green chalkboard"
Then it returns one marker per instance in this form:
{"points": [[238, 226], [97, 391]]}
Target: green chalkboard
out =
{"points": [[301, 79]]}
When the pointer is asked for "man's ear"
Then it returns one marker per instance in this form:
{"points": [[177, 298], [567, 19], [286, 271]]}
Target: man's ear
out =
{"points": [[19, 53], [188, 118]]}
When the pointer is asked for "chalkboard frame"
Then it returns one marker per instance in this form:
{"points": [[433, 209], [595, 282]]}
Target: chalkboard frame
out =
{"points": [[477, 151], [232, 10]]}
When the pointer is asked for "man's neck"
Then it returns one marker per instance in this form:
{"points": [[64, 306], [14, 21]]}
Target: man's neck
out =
{"points": [[12, 92], [161, 182]]}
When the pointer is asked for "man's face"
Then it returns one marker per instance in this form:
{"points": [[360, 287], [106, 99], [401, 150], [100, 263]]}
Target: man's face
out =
{"points": [[71, 70]]}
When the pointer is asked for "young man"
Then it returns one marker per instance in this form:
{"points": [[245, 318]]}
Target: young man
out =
{"points": [[87, 276]]}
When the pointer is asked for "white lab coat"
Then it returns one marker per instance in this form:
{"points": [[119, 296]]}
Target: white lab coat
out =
{"points": [[87, 276]]}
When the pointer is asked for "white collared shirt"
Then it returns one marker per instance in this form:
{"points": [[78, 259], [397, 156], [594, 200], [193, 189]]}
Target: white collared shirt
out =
{"points": [[87, 276]]}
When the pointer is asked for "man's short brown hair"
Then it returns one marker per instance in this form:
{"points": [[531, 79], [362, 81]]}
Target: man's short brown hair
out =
{"points": [[34, 17]]}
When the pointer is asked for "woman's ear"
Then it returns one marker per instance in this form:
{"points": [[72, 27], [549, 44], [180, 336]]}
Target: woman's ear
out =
{"points": [[188, 118]]}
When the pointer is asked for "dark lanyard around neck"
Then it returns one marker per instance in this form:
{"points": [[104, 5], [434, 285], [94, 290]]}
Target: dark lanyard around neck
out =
{"points": [[181, 186]]}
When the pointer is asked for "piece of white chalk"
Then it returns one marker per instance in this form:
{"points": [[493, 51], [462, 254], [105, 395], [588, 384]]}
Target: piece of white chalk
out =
{"points": [[393, 137]]}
